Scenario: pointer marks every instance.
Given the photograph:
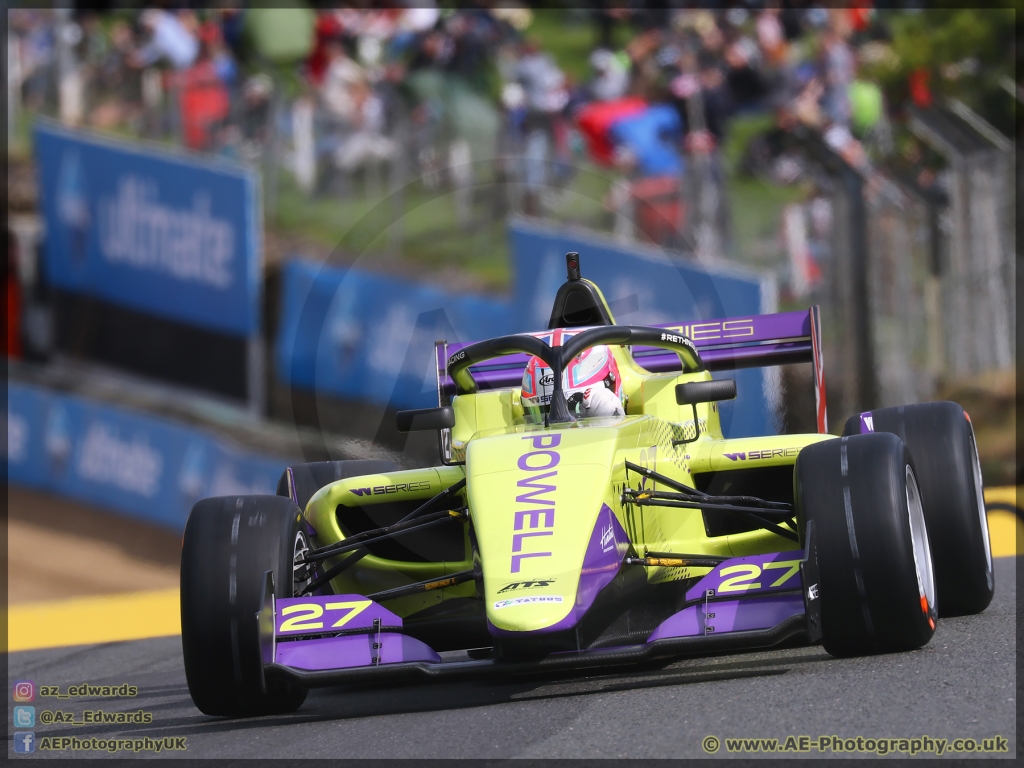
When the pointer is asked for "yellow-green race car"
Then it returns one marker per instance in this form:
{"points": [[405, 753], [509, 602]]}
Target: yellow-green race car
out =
{"points": [[555, 537]]}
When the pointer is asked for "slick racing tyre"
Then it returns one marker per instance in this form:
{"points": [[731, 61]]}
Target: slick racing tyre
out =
{"points": [[230, 543], [307, 479], [876, 581], [941, 440]]}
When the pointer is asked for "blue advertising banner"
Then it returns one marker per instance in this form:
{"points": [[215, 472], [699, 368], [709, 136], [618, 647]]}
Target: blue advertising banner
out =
{"points": [[642, 284], [371, 337], [140, 465], [151, 230], [365, 336]]}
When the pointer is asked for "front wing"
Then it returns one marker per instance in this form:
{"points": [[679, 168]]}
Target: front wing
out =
{"points": [[744, 603]]}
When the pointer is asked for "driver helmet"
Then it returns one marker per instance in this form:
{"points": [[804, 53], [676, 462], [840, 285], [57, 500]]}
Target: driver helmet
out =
{"points": [[585, 376]]}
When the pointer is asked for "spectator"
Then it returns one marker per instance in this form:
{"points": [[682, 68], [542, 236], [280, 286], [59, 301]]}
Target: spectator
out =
{"points": [[545, 93], [356, 135], [542, 80], [411, 24], [327, 29], [838, 68], [771, 37], [169, 39], [205, 101], [646, 79], [254, 114], [611, 76], [214, 50], [343, 88], [746, 83]]}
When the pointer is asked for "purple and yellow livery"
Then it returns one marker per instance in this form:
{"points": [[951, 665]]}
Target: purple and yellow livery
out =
{"points": [[558, 548], [578, 542]]}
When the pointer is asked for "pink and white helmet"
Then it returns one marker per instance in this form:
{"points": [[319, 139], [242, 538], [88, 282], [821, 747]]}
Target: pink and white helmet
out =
{"points": [[593, 368]]}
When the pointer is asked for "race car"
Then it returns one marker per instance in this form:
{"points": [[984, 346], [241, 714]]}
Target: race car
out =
{"points": [[552, 538]]}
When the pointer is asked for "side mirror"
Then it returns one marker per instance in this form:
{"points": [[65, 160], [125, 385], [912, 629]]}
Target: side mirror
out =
{"points": [[702, 392], [426, 419], [705, 391]]}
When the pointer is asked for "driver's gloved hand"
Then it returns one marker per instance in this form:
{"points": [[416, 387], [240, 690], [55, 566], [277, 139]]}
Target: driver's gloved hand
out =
{"points": [[601, 401]]}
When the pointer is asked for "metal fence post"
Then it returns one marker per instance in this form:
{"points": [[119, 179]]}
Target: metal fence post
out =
{"points": [[977, 286], [847, 277]]}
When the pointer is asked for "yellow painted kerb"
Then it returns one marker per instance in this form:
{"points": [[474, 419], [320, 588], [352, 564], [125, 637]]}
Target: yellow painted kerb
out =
{"points": [[1005, 528], [140, 615], [90, 620]]}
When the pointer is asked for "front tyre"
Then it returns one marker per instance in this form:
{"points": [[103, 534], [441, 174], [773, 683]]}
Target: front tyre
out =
{"points": [[230, 543], [941, 440], [876, 578]]}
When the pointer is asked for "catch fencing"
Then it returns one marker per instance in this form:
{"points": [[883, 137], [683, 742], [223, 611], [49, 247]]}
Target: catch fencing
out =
{"points": [[915, 282], [978, 263]]}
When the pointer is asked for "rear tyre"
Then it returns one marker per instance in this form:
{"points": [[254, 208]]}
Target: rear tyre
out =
{"points": [[307, 479], [876, 579], [230, 543], [941, 440]]}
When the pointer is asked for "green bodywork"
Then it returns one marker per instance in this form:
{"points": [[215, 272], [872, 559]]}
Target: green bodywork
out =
{"points": [[571, 471]]}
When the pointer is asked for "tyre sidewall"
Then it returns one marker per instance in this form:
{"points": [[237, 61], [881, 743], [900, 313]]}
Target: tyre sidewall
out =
{"points": [[229, 544], [855, 491], [941, 439]]}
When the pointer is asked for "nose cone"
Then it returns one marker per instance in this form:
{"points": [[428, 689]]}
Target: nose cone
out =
{"points": [[547, 540]]}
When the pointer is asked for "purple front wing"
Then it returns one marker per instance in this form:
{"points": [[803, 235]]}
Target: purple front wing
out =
{"points": [[730, 616], [370, 637], [317, 614], [353, 651], [742, 577]]}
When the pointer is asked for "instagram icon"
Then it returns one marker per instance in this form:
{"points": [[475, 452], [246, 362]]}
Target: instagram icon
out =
{"points": [[24, 690]]}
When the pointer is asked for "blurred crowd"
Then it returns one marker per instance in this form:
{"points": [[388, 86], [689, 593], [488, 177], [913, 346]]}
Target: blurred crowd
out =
{"points": [[447, 88]]}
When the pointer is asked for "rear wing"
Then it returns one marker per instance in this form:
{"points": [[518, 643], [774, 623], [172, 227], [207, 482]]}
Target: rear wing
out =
{"points": [[755, 341]]}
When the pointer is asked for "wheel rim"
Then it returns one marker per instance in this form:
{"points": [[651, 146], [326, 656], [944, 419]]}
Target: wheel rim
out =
{"points": [[300, 571], [922, 550], [979, 493]]}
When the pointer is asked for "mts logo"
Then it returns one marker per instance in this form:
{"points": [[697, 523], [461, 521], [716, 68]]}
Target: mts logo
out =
{"points": [[515, 585]]}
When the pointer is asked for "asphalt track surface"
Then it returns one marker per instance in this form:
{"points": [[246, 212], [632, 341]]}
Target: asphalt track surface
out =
{"points": [[961, 685]]}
